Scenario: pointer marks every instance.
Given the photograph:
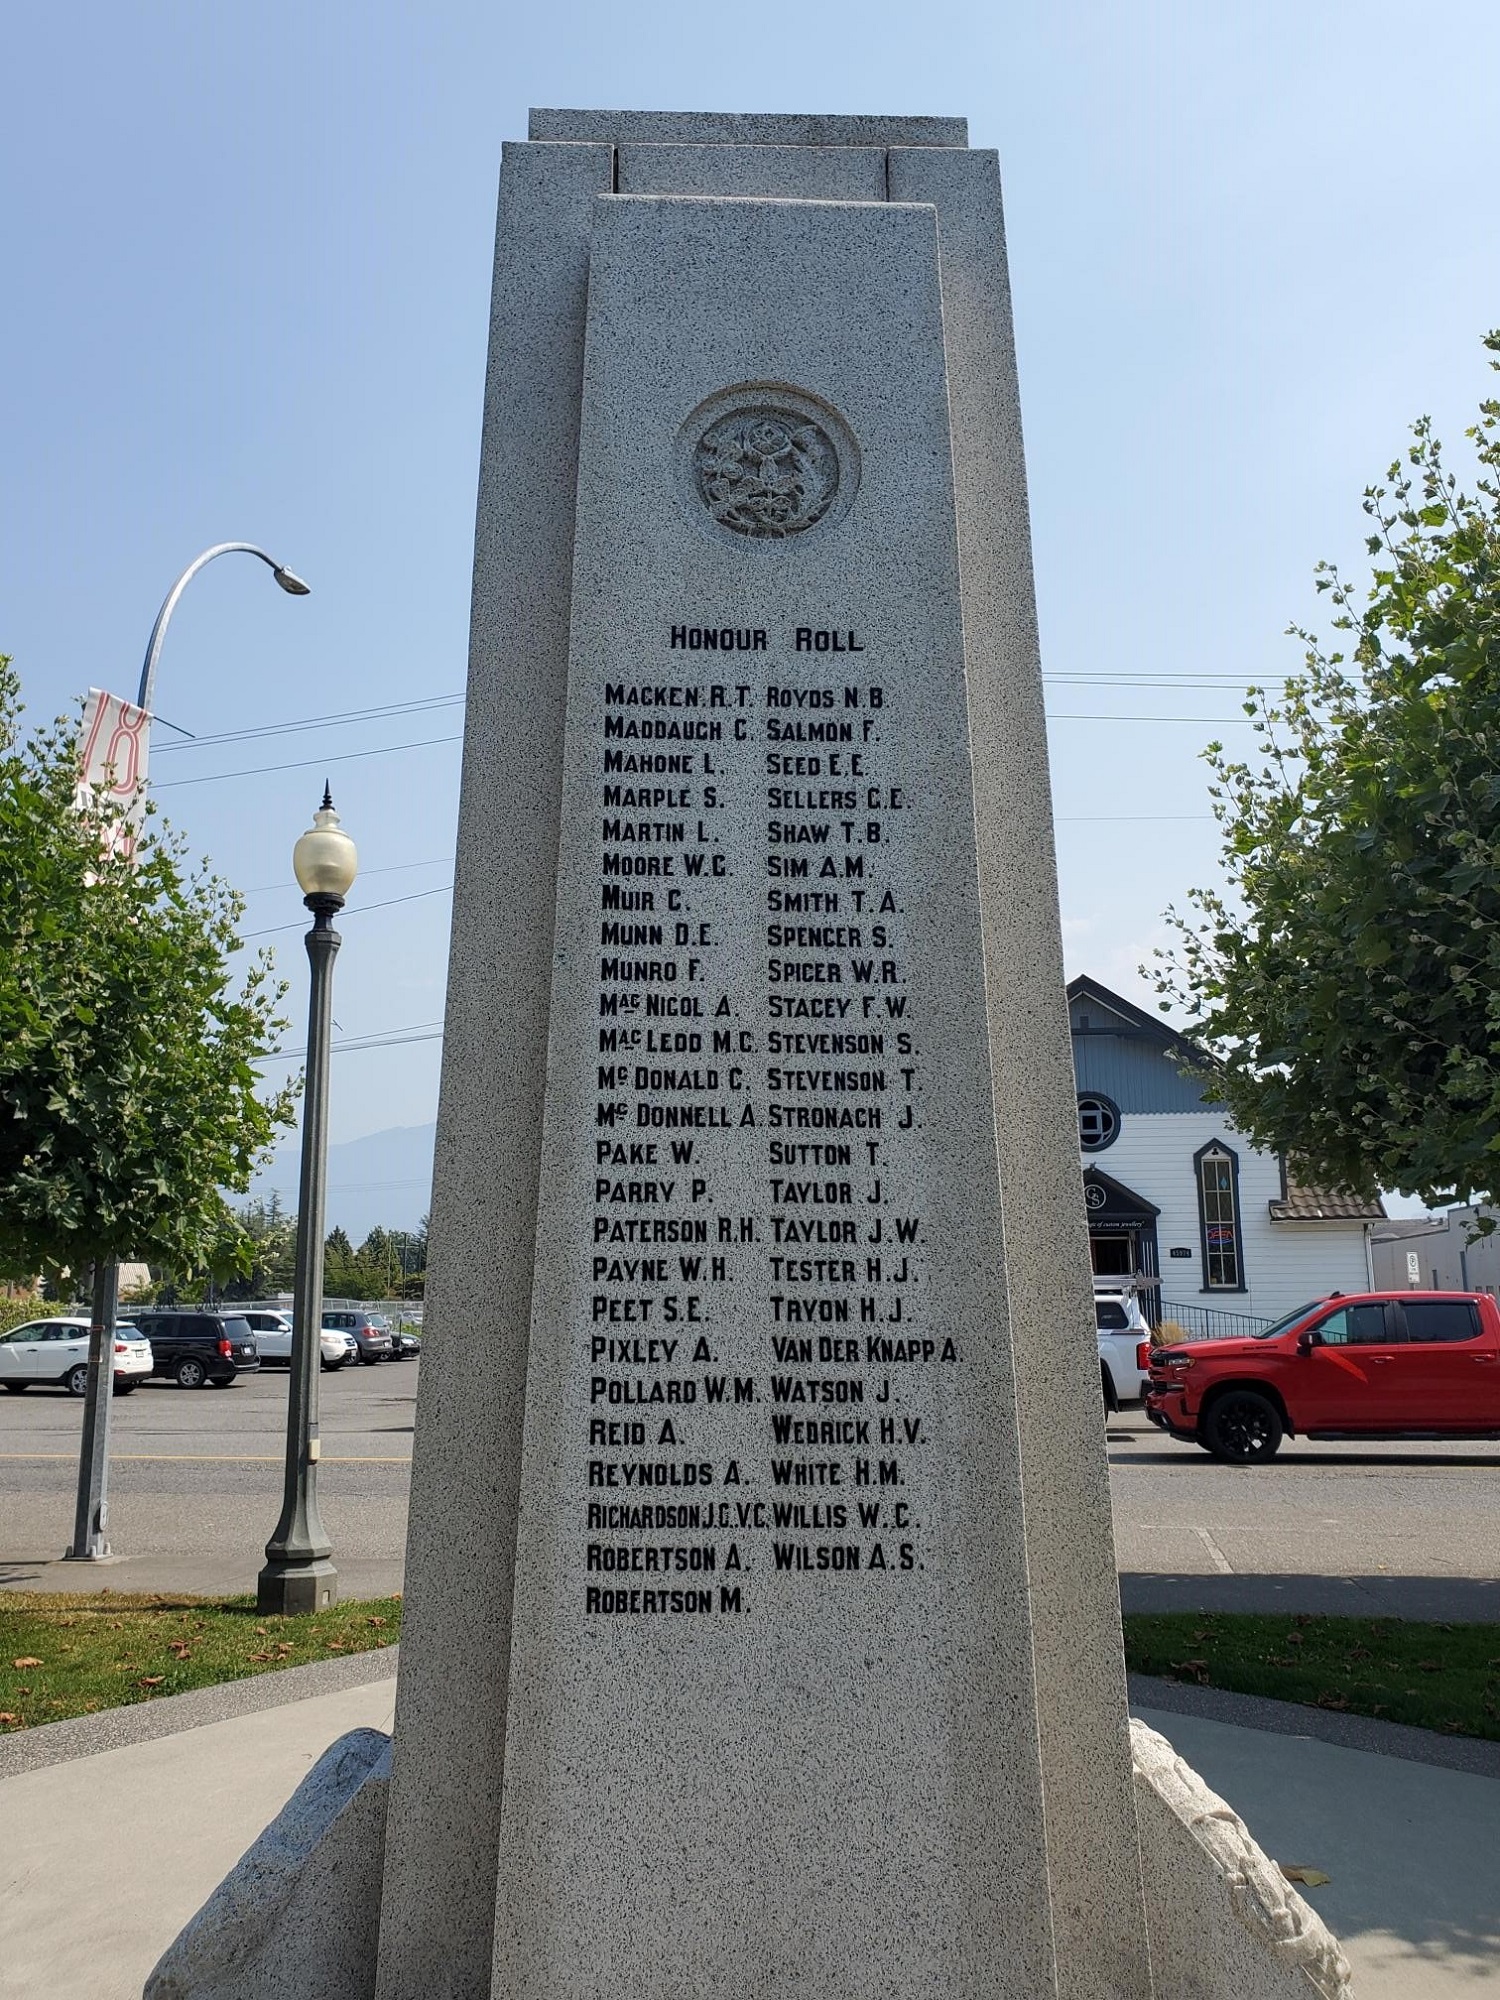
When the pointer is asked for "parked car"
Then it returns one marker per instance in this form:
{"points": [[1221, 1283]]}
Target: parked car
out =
{"points": [[408, 1344], [197, 1346], [1359, 1365], [1122, 1327], [273, 1339], [57, 1350], [372, 1336]]}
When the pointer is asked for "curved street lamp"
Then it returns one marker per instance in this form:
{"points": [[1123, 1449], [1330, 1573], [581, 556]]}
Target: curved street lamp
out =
{"points": [[298, 1575], [292, 585], [91, 1505]]}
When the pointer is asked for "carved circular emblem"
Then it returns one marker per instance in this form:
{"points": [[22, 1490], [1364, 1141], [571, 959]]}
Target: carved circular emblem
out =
{"points": [[767, 462], [767, 472], [1095, 1196]]}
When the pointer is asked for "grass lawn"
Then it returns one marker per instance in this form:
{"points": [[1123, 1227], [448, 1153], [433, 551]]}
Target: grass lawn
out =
{"points": [[64, 1656], [1444, 1677]]}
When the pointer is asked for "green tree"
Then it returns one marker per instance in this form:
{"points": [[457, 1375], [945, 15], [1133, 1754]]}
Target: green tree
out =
{"points": [[128, 1093], [343, 1277], [1348, 978], [377, 1256]]}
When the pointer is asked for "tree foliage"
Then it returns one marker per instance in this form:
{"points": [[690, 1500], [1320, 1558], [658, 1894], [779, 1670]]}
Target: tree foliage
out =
{"points": [[390, 1263], [1348, 979], [128, 1093]]}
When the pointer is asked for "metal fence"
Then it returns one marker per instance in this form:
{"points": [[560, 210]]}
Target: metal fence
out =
{"points": [[400, 1312], [1210, 1323]]}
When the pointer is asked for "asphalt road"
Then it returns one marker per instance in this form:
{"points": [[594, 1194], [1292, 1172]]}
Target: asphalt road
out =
{"points": [[196, 1489], [1398, 1529], [195, 1485]]}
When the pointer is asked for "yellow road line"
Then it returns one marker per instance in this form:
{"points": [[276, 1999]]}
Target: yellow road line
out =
{"points": [[191, 1458]]}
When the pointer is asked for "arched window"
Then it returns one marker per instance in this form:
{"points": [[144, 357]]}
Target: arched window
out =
{"points": [[1218, 1174], [1098, 1121]]}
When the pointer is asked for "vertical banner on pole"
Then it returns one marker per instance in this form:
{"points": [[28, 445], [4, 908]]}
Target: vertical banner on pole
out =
{"points": [[114, 742], [113, 751]]}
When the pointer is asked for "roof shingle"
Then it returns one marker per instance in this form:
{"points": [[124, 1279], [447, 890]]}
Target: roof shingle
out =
{"points": [[1301, 1203]]}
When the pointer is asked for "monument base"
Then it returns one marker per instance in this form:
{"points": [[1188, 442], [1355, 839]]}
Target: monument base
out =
{"points": [[298, 1918]]}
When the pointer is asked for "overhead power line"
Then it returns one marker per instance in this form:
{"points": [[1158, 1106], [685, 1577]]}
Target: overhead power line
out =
{"points": [[418, 1031], [431, 742], [393, 868], [338, 719], [1208, 721], [358, 910], [308, 763], [445, 888], [426, 704]]}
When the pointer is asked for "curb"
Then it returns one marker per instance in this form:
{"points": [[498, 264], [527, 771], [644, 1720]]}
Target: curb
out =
{"points": [[1476, 1755], [142, 1721]]}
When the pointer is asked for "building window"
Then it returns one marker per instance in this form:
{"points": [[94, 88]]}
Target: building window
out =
{"points": [[1218, 1173], [1098, 1122]]}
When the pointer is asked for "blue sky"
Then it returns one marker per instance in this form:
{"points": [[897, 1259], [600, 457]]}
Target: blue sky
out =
{"points": [[247, 256]]}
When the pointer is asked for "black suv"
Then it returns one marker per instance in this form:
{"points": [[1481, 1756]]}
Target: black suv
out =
{"points": [[196, 1347]]}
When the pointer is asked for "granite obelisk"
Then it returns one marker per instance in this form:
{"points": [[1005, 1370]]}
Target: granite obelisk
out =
{"points": [[762, 1632]]}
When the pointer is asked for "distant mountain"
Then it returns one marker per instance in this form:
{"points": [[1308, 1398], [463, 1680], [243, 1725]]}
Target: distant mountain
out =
{"points": [[384, 1178]]}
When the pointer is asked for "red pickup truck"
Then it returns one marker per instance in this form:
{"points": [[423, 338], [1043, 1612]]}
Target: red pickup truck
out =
{"points": [[1356, 1365]]}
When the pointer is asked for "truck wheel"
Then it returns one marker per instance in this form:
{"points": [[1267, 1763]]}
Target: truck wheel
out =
{"points": [[1243, 1428], [1111, 1400]]}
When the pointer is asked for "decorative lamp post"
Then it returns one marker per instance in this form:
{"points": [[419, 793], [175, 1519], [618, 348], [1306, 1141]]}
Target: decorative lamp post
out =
{"points": [[298, 1575]]}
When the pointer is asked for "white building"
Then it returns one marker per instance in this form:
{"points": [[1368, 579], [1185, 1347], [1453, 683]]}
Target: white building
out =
{"points": [[1441, 1254], [1177, 1197]]}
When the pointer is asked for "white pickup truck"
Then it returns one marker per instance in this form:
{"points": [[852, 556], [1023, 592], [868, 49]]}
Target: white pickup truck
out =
{"points": [[1122, 1326]]}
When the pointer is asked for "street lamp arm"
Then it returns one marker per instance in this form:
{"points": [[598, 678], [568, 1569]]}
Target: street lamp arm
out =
{"points": [[289, 583]]}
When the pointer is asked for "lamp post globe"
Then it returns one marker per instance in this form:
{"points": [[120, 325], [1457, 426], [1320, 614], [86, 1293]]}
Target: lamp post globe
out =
{"points": [[325, 859], [298, 1575]]}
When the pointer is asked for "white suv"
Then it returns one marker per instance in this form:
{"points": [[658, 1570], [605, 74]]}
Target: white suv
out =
{"points": [[57, 1350], [1122, 1327], [273, 1339]]}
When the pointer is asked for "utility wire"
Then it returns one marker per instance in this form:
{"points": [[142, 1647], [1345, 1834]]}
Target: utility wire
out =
{"points": [[429, 742], [359, 909], [307, 763], [394, 868], [343, 718], [339, 718], [443, 889], [420, 1031]]}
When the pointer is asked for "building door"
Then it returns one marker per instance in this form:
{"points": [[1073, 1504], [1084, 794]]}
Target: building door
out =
{"points": [[1112, 1256], [1122, 1236]]}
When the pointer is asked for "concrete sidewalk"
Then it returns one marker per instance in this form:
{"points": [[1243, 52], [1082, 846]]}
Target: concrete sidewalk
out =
{"points": [[115, 1843], [187, 1576], [1414, 1891], [107, 1856]]}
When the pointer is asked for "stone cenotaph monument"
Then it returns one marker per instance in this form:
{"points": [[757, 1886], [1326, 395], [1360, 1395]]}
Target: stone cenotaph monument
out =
{"points": [[762, 1633]]}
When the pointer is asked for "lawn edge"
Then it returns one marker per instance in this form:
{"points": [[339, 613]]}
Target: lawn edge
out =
{"points": [[47, 1743], [1477, 1755]]}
